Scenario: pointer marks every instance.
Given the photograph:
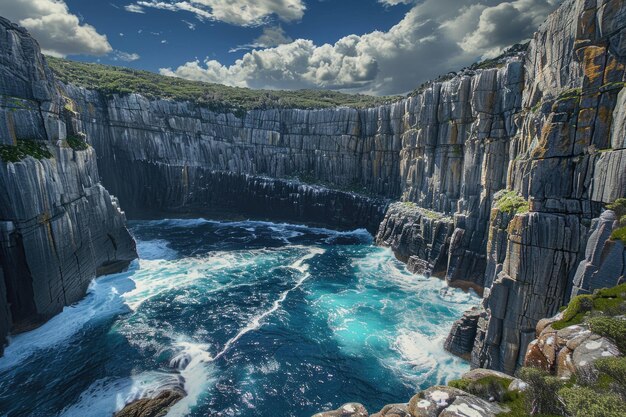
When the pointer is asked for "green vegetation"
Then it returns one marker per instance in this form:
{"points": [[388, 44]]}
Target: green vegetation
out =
{"points": [[217, 97], [24, 149], [487, 388], [619, 207], [571, 93], [610, 327], [602, 303], [77, 142], [511, 202]]}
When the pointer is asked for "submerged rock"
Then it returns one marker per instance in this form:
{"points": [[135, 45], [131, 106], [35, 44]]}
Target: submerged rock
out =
{"points": [[157, 406], [346, 410]]}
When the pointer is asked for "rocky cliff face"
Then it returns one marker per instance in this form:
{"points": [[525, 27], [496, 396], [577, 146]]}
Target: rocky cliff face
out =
{"points": [[59, 227], [568, 159]]}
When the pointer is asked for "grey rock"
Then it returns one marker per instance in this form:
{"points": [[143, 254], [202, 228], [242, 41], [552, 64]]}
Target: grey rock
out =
{"points": [[460, 340], [60, 228], [346, 410]]}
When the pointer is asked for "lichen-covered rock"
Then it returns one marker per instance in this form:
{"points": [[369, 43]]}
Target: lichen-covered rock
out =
{"points": [[346, 410], [447, 401], [157, 406], [393, 410]]}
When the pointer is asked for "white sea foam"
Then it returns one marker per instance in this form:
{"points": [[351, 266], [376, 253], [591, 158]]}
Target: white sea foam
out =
{"points": [[256, 321], [155, 249], [106, 396], [104, 299]]}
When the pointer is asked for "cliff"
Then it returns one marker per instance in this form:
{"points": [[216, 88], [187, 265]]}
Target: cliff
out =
{"points": [[59, 227]]}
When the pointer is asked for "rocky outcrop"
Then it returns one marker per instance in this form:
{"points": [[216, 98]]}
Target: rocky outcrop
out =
{"points": [[418, 237], [152, 407], [460, 340], [604, 265], [568, 351], [59, 228], [346, 410]]}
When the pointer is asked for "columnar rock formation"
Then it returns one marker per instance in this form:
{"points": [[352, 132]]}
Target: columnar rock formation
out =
{"points": [[569, 159], [59, 227]]}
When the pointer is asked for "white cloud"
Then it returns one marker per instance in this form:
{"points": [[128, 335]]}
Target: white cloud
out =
{"points": [[236, 12], [134, 8], [505, 23], [191, 26], [395, 2], [272, 36], [59, 32], [433, 38], [125, 56]]}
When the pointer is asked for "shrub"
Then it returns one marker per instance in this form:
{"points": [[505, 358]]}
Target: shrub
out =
{"points": [[615, 369], [488, 388], [575, 311], [511, 202], [610, 327], [23, 149], [586, 402], [541, 395]]}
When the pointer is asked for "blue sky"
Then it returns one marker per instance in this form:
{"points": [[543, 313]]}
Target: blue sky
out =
{"points": [[371, 46], [323, 22]]}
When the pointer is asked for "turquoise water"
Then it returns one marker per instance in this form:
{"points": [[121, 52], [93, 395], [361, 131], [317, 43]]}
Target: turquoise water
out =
{"points": [[250, 318]]}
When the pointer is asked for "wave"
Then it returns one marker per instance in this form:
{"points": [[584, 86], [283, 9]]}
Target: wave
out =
{"points": [[155, 249], [104, 299]]}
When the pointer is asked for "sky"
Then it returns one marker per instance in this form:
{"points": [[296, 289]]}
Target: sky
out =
{"points": [[370, 46]]}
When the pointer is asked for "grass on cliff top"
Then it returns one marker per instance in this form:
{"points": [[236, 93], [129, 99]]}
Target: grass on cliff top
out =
{"points": [[217, 97], [24, 149], [511, 202]]}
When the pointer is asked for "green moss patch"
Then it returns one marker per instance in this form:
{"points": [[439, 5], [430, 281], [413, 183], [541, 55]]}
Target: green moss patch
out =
{"points": [[77, 143], [24, 149], [511, 202], [608, 301]]}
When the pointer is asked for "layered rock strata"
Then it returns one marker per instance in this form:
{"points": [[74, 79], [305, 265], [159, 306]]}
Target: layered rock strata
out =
{"points": [[59, 227], [569, 160]]}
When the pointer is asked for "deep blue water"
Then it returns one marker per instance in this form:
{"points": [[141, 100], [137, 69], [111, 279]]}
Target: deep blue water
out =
{"points": [[251, 318]]}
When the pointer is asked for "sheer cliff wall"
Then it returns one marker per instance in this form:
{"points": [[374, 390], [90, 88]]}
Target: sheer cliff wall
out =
{"points": [[59, 227]]}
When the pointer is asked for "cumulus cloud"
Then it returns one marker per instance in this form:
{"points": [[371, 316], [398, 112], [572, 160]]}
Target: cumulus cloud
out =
{"points": [[134, 8], [272, 36], [506, 23], [125, 56], [395, 2], [433, 38], [59, 32], [236, 12]]}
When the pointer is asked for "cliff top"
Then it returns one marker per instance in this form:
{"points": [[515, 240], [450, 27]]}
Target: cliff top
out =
{"points": [[120, 80]]}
